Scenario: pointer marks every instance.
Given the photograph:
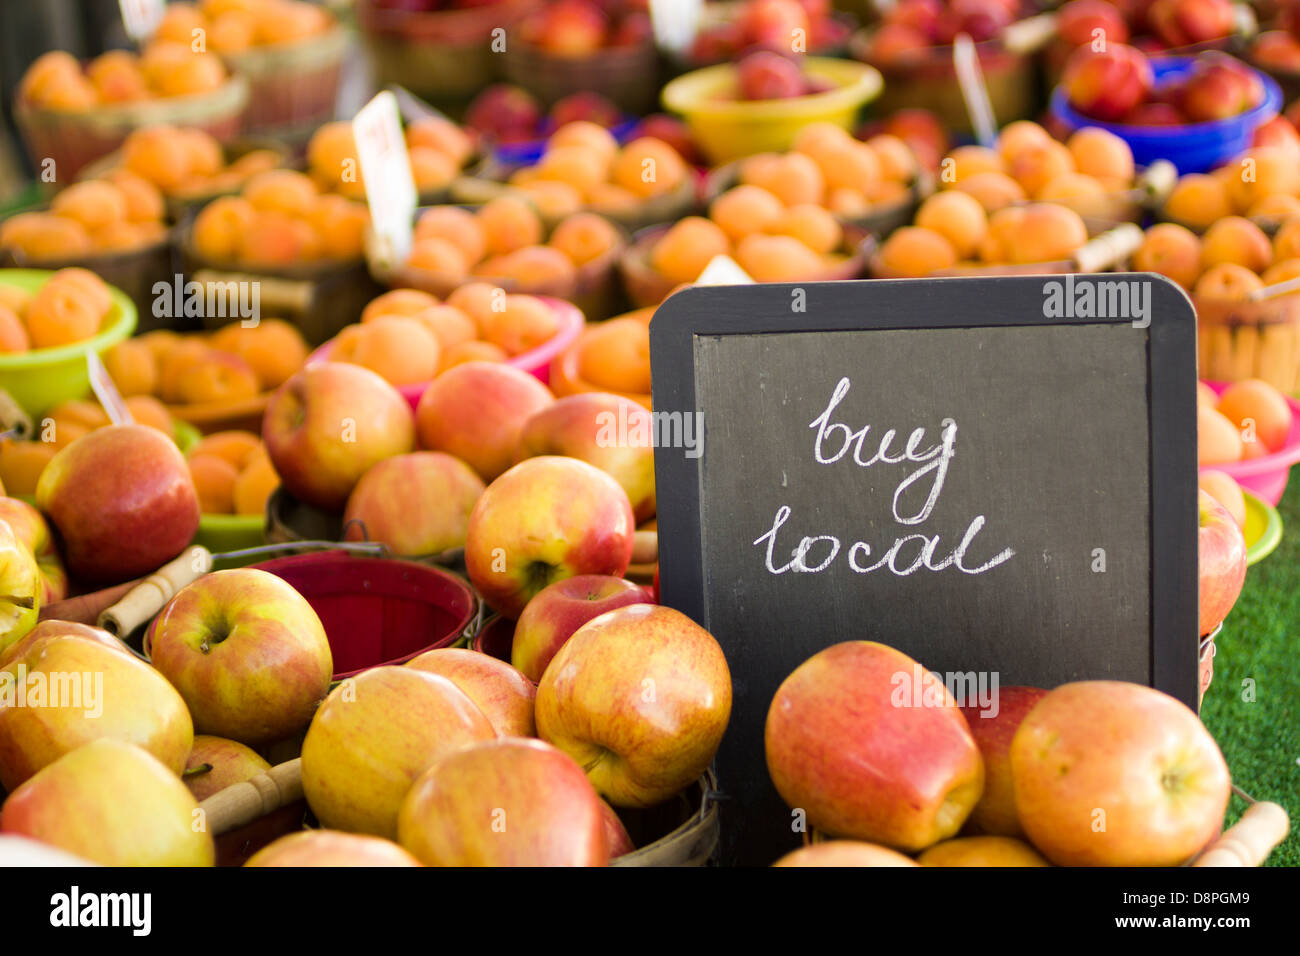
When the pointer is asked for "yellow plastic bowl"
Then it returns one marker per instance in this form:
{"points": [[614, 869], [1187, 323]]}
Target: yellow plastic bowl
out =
{"points": [[41, 378], [728, 129]]}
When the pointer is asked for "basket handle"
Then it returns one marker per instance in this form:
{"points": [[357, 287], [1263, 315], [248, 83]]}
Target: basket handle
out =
{"points": [[242, 803], [1111, 247], [1158, 181], [1249, 841], [275, 295], [149, 597], [1030, 34]]}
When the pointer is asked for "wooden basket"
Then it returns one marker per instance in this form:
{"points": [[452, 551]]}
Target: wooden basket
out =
{"points": [[74, 140], [292, 86], [1250, 340]]}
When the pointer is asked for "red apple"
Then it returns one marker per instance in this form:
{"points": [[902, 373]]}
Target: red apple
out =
{"points": [[505, 113], [585, 106], [476, 412], [1276, 50], [328, 424], [331, 848], [1182, 23], [122, 500], [1278, 132], [995, 813], [1155, 114], [374, 735], [616, 835], [508, 802], [768, 76], [569, 28], [216, 763], [640, 698], [1221, 552], [91, 690], [417, 504], [839, 853], [1114, 774], [1219, 87], [613, 433], [246, 651], [561, 608], [1108, 84], [894, 45], [55, 628], [1078, 21], [775, 24], [503, 694], [544, 520], [30, 528], [873, 747], [111, 803]]}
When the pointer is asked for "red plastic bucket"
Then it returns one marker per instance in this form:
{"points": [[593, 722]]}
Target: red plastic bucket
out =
{"points": [[378, 610], [496, 638], [1266, 476]]}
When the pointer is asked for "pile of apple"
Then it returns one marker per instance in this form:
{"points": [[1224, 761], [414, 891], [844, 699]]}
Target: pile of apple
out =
{"points": [[1117, 85], [1093, 773], [769, 25], [582, 28], [1151, 25], [912, 27], [765, 75], [505, 113]]}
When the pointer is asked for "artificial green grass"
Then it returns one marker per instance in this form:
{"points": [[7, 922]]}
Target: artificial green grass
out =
{"points": [[1260, 643]]}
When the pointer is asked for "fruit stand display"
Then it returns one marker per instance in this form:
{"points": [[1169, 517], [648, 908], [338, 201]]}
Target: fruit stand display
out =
{"points": [[334, 447]]}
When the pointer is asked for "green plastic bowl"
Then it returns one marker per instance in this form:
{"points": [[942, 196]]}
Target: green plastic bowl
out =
{"points": [[42, 378], [1263, 529]]}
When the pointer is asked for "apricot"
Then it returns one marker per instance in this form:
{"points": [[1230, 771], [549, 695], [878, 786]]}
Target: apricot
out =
{"points": [[848, 203], [536, 266], [289, 21], [46, 71], [341, 225], [745, 210], [144, 203], [585, 237], [585, 135], [1286, 241], [161, 343], [216, 377], [61, 313], [958, 217], [1046, 232], [1103, 155], [851, 165], [687, 247], [13, 335], [615, 355], [400, 349], [220, 227], [254, 486], [117, 77], [576, 165], [192, 75], [1263, 171], [509, 223], [778, 259], [1079, 191], [449, 325], [811, 225], [1227, 282], [397, 302], [332, 152], [206, 157], [277, 239], [470, 351], [820, 139], [1171, 250], [274, 349], [440, 135], [132, 368], [966, 161], [792, 178], [524, 324], [21, 464], [430, 169], [178, 23], [612, 200], [231, 32], [1019, 136], [1236, 240], [79, 412], [552, 199], [1277, 206], [119, 237], [647, 167], [159, 154], [1217, 438], [992, 190], [1206, 395], [1198, 200], [914, 252], [70, 94], [15, 298], [1223, 488], [253, 161], [458, 226], [235, 447], [477, 299], [214, 480], [1258, 410], [439, 257], [282, 190], [43, 236], [1282, 271], [1036, 166], [147, 410], [897, 161]]}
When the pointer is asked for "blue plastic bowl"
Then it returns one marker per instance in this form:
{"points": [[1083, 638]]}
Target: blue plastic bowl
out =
{"points": [[530, 153], [1193, 148]]}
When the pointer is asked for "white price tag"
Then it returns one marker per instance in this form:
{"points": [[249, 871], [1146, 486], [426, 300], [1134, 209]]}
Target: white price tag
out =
{"points": [[141, 17], [676, 22], [386, 169], [724, 270], [101, 383]]}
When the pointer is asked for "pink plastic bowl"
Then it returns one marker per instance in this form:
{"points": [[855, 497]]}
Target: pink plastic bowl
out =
{"points": [[1265, 477], [536, 361]]}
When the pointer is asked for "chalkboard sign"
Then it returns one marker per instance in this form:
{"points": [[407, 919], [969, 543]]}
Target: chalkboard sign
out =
{"points": [[994, 475]]}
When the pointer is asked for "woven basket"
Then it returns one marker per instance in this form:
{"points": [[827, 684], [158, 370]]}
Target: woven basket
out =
{"points": [[1250, 340], [293, 86]]}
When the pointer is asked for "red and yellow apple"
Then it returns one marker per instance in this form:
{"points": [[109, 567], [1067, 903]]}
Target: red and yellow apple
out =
{"points": [[374, 735], [246, 651], [544, 520], [1221, 554], [503, 694], [216, 763], [867, 753], [21, 588], [328, 425], [56, 628], [561, 608], [844, 853], [1107, 84], [995, 813], [112, 803], [30, 528], [417, 504], [122, 500], [617, 839], [982, 851], [640, 698], [331, 848], [507, 802], [1108, 773]]}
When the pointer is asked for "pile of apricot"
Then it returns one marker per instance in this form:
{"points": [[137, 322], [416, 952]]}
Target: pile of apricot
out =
{"points": [[436, 147], [408, 336], [233, 26], [56, 81], [184, 163], [232, 473], [233, 364], [118, 213], [1264, 182], [505, 239], [70, 307], [584, 167], [1233, 259], [1249, 419], [280, 218]]}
